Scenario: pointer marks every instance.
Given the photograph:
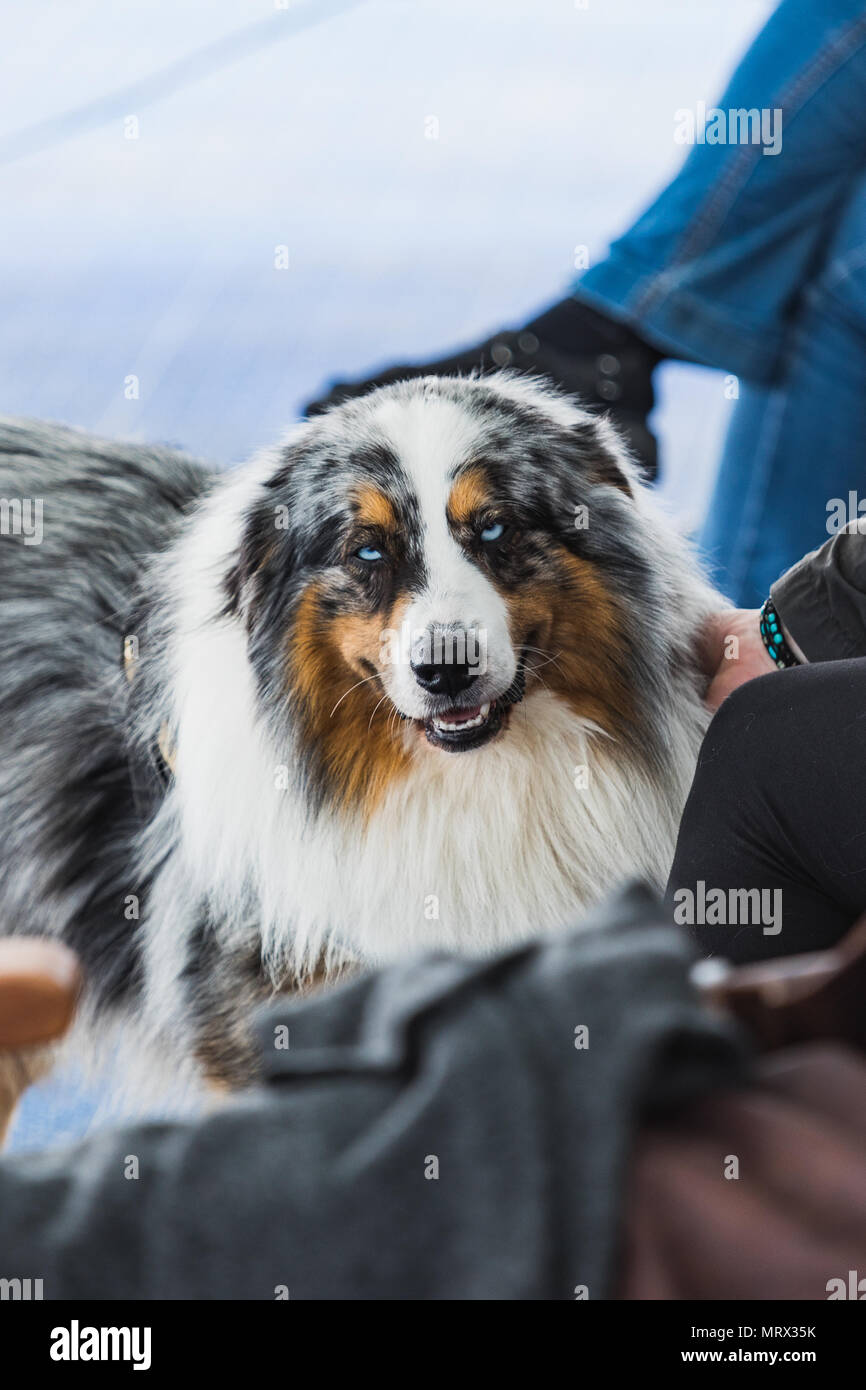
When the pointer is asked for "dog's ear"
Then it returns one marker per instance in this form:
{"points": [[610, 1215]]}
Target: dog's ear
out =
{"points": [[606, 455], [609, 470], [266, 555], [259, 543]]}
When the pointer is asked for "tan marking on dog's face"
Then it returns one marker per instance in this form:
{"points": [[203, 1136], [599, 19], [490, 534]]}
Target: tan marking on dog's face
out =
{"points": [[575, 623], [374, 509], [361, 748], [469, 495]]}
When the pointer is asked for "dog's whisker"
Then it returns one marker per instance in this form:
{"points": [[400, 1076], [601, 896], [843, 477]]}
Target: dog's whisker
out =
{"points": [[538, 666], [365, 681], [533, 671], [373, 715], [546, 686], [550, 658]]}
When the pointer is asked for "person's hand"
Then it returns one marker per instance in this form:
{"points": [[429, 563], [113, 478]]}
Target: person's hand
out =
{"points": [[733, 652]]}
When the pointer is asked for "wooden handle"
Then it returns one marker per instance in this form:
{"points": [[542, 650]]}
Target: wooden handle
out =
{"points": [[799, 998], [39, 985]]}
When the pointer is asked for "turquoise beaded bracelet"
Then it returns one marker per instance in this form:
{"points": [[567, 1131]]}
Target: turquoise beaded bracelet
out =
{"points": [[774, 638]]}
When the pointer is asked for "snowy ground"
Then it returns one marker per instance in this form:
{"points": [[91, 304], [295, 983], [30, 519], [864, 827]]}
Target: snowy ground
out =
{"points": [[154, 256]]}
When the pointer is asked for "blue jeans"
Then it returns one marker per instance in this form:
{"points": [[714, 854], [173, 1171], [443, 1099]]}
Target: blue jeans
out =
{"points": [[756, 264]]}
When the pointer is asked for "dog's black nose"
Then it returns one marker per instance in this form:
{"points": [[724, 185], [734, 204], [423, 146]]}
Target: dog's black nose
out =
{"points": [[444, 677]]}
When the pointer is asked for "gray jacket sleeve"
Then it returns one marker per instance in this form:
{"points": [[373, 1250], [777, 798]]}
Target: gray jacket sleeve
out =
{"points": [[822, 600], [444, 1129]]}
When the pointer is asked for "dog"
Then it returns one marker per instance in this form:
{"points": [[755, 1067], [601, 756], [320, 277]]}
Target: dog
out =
{"points": [[423, 676]]}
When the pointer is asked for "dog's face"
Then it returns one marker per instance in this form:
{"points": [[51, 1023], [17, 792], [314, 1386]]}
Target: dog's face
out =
{"points": [[421, 560]]}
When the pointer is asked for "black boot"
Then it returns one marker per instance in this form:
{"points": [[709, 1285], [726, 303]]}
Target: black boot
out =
{"points": [[596, 358]]}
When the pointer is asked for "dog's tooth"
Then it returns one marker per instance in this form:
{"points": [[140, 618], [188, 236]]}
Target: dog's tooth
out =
{"points": [[450, 726]]}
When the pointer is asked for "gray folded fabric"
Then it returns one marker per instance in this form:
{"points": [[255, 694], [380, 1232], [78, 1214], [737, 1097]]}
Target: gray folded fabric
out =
{"points": [[443, 1129]]}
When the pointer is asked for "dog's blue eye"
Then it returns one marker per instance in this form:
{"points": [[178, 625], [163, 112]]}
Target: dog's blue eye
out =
{"points": [[493, 532], [369, 552]]}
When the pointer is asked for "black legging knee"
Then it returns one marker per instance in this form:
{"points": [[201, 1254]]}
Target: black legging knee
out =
{"points": [[778, 805]]}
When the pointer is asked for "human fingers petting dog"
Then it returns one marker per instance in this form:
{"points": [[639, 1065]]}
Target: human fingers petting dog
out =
{"points": [[734, 651]]}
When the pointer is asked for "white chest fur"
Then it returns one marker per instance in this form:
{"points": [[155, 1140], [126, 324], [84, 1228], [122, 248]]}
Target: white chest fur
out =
{"points": [[467, 851]]}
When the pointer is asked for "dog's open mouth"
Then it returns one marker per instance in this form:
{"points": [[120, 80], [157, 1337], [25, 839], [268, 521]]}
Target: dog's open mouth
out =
{"points": [[469, 727]]}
